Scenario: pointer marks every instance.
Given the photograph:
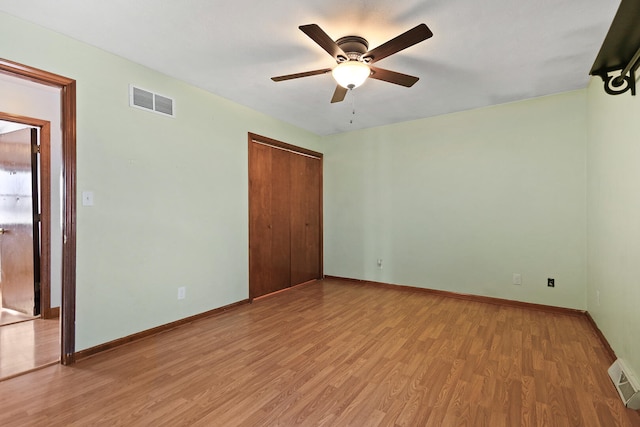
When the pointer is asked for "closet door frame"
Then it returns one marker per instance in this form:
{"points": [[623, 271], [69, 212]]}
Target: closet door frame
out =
{"points": [[262, 140]]}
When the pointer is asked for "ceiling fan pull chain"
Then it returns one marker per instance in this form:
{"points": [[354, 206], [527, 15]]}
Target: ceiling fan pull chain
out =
{"points": [[353, 105]]}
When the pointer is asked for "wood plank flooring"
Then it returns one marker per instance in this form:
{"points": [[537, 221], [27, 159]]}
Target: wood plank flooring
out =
{"points": [[27, 345], [8, 317], [338, 353]]}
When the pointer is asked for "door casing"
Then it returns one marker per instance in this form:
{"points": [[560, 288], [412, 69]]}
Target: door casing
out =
{"points": [[68, 118]]}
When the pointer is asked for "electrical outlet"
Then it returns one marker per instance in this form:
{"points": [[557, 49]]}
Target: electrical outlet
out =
{"points": [[517, 279], [182, 292], [551, 282], [87, 198], [380, 263]]}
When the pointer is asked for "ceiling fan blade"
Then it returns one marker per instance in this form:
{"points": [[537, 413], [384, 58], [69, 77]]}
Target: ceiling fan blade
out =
{"points": [[324, 41], [339, 94], [393, 77], [407, 39], [298, 75]]}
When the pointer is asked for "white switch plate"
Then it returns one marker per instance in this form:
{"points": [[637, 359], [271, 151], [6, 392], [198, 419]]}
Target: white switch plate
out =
{"points": [[517, 279], [182, 292], [87, 198]]}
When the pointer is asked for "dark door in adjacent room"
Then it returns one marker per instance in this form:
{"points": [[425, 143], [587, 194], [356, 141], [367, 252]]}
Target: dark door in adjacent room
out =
{"points": [[285, 215], [19, 222]]}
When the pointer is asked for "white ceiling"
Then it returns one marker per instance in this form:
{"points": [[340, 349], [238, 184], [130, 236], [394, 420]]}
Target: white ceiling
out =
{"points": [[6, 127], [482, 52]]}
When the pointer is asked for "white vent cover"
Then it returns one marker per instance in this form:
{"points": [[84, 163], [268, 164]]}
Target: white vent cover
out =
{"points": [[146, 100], [625, 383]]}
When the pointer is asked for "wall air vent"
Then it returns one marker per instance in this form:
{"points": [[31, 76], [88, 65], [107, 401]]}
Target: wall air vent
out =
{"points": [[146, 100], [625, 383]]}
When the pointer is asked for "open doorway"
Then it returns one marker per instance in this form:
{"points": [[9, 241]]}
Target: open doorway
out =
{"points": [[66, 182], [27, 212], [20, 216], [29, 325]]}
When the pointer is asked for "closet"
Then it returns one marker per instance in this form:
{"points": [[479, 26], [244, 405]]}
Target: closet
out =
{"points": [[285, 215]]}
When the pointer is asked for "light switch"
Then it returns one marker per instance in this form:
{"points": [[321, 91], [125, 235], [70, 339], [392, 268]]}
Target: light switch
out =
{"points": [[87, 198], [517, 279]]}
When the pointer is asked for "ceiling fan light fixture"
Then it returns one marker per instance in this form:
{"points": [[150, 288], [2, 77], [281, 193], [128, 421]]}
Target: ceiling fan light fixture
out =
{"points": [[351, 74]]}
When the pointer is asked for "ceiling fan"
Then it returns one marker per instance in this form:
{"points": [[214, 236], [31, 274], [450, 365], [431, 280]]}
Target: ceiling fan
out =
{"points": [[354, 59]]}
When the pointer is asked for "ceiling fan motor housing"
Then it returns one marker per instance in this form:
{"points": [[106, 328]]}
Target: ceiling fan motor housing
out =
{"points": [[353, 46]]}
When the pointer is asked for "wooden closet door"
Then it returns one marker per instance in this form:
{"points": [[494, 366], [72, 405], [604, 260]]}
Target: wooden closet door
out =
{"points": [[269, 225], [285, 215], [306, 215]]}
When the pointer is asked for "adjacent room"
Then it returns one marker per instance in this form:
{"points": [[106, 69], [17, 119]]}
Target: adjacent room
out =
{"points": [[221, 231]]}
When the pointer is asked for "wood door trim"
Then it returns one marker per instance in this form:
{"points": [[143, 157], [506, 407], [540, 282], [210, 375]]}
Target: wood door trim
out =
{"points": [[283, 145], [45, 206], [68, 116]]}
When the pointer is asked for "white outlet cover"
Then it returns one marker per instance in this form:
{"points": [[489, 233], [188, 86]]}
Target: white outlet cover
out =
{"points": [[87, 198], [517, 279]]}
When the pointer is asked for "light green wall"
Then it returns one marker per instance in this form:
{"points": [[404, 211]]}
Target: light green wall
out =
{"points": [[170, 194], [614, 219], [461, 202]]}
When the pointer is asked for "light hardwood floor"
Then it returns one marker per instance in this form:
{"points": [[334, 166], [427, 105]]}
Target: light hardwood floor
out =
{"points": [[27, 345], [338, 353], [8, 317]]}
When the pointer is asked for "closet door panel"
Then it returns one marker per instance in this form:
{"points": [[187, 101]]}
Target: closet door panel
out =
{"points": [[269, 235], [306, 173], [280, 220]]}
